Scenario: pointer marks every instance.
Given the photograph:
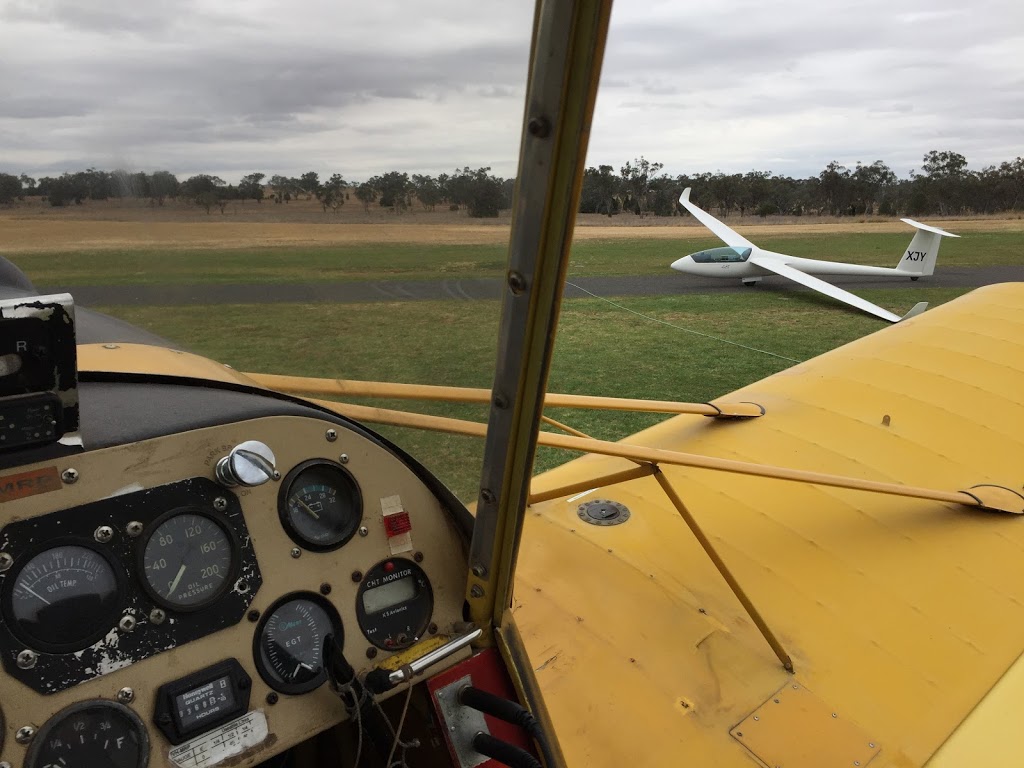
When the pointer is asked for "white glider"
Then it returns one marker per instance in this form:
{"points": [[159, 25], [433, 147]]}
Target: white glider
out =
{"points": [[744, 260]]}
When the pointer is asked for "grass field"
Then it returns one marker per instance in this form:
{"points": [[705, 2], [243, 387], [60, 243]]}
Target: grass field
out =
{"points": [[427, 261], [600, 350]]}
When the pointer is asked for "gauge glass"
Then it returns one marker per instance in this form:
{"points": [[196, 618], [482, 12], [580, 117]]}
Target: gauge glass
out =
{"points": [[321, 507], [91, 735], [290, 643], [188, 561], [65, 598], [394, 604]]}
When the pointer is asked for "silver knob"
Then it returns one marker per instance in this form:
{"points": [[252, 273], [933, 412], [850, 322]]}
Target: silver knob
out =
{"points": [[251, 463]]}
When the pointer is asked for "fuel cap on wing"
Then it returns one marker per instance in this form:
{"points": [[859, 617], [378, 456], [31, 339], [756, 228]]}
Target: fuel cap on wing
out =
{"points": [[603, 512]]}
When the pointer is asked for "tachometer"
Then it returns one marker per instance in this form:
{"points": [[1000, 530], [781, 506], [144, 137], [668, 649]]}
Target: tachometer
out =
{"points": [[189, 560], [91, 734], [320, 505], [64, 599], [289, 646]]}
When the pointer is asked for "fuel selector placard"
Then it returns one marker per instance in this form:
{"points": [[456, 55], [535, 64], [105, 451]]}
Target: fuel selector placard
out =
{"points": [[394, 604]]}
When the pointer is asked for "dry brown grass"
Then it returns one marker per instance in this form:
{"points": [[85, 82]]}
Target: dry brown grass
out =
{"points": [[34, 226]]}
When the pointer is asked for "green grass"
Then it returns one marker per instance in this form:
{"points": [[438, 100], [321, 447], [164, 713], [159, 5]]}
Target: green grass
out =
{"points": [[431, 262], [601, 350], [289, 264]]}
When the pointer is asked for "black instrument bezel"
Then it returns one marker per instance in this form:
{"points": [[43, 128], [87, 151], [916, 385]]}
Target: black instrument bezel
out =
{"points": [[166, 715], [40, 739], [268, 675], [378, 628], [7, 595], [286, 491], [57, 671], [228, 581]]}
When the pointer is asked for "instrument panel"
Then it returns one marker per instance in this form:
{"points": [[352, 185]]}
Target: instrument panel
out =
{"points": [[153, 616]]}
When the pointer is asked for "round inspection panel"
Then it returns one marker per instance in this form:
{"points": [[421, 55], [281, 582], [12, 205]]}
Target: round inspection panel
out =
{"points": [[603, 512], [91, 734]]}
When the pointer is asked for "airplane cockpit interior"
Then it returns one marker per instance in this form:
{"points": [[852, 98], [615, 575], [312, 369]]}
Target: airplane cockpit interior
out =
{"points": [[194, 572]]}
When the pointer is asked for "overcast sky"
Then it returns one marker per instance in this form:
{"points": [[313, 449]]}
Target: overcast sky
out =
{"points": [[235, 86]]}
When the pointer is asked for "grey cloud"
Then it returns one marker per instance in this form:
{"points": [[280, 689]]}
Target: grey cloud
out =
{"points": [[244, 84]]}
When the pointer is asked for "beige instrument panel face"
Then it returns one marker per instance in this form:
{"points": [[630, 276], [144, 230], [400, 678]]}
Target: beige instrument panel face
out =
{"points": [[381, 478]]}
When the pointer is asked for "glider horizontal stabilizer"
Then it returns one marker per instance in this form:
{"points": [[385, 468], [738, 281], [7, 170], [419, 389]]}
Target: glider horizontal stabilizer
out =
{"points": [[784, 270], [928, 228], [726, 234]]}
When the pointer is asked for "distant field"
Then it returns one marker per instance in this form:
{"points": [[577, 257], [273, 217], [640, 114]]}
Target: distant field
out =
{"points": [[600, 350], [638, 255]]}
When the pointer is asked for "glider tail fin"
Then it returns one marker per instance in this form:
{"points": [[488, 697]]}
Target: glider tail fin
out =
{"points": [[920, 256]]}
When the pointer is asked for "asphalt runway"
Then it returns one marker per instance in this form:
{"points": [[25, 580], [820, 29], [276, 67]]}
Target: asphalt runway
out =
{"points": [[669, 284]]}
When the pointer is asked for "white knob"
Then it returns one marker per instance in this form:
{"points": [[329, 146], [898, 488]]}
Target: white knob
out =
{"points": [[250, 463]]}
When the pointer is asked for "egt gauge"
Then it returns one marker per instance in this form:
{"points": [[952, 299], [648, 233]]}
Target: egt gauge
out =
{"points": [[289, 642]]}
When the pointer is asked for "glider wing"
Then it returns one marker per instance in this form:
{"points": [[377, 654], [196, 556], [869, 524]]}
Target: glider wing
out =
{"points": [[779, 268], [724, 233]]}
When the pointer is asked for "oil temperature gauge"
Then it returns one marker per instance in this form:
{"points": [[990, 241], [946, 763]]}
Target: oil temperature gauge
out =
{"points": [[320, 505], [63, 599], [289, 643]]}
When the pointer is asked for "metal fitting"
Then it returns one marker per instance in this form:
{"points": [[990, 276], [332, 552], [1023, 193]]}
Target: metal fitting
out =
{"points": [[27, 659]]}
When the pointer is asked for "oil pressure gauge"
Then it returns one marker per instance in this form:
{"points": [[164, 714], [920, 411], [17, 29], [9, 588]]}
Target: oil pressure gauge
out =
{"points": [[189, 560]]}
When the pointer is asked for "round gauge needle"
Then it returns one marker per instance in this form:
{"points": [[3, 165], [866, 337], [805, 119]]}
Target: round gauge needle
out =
{"points": [[31, 591], [307, 508], [181, 572]]}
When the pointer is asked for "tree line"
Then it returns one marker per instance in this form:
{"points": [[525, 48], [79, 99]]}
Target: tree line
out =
{"points": [[478, 192], [942, 186]]}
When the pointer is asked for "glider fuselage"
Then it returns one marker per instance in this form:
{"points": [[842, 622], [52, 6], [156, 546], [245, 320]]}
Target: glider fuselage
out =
{"points": [[743, 268]]}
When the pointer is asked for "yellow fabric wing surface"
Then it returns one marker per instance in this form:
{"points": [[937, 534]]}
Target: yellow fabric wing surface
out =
{"points": [[900, 615]]}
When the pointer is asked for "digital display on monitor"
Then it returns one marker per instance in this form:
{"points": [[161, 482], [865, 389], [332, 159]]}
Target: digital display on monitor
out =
{"points": [[381, 598], [206, 702]]}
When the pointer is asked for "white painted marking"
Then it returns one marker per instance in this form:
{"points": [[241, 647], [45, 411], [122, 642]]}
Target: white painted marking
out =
{"points": [[571, 499]]}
